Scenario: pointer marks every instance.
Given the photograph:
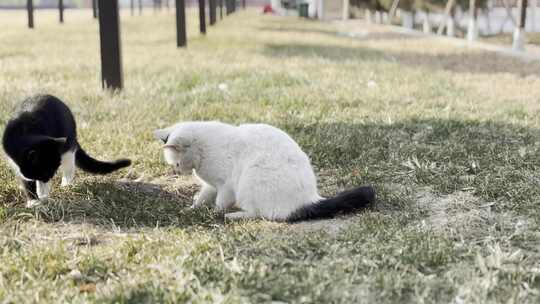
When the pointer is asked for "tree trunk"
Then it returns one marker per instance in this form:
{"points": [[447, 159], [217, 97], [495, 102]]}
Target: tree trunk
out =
{"points": [[367, 16], [345, 13], [407, 20], [519, 33], [472, 31], [426, 25]]}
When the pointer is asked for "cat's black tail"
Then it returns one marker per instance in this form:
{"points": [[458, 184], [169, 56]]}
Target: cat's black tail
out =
{"points": [[344, 202], [91, 165]]}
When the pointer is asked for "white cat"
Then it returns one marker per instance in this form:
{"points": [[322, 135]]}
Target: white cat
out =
{"points": [[255, 166]]}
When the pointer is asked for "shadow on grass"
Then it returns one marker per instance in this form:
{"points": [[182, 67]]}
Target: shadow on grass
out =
{"points": [[466, 62], [336, 34], [120, 204], [495, 161], [297, 30]]}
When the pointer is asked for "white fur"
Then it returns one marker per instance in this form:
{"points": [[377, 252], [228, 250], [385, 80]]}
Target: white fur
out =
{"points": [[68, 168], [256, 166], [33, 203], [16, 168], [43, 189]]}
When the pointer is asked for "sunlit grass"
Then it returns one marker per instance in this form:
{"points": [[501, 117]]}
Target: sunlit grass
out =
{"points": [[449, 137]]}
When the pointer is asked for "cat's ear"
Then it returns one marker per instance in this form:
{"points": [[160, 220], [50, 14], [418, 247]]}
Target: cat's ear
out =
{"points": [[59, 140], [177, 147], [162, 134]]}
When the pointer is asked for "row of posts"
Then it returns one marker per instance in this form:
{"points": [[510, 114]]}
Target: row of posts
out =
{"points": [[448, 20], [109, 29]]}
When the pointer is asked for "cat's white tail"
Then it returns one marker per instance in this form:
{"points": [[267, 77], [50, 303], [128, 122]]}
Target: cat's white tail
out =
{"points": [[344, 202]]}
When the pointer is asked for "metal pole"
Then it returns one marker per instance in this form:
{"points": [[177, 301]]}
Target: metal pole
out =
{"points": [[132, 7], [244, 4], [202, 17], [220, 9], [61, 10], [213, 8], [30, 8], [109, 32], [94, 8], [181, 39], [140, 7], [523, 13]]}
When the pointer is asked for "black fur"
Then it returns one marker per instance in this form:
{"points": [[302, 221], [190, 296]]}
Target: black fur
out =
{"points": [[41, 130], [88, 164], [344, 202]]}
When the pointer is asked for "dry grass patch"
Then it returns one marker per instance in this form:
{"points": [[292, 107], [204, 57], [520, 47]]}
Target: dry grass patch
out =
{"points": [[447, 135]]}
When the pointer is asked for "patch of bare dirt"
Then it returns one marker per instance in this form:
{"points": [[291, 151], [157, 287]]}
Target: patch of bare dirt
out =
{"points": [[465, 214], [169, 186]]}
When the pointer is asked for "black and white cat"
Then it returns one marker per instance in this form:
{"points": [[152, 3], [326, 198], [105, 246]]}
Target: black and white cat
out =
{"points": [[40, 138], [258, 167]]}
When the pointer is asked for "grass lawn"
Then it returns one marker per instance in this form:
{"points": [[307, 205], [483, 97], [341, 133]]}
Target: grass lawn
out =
{"points": [[506, 39], [449, 136]]}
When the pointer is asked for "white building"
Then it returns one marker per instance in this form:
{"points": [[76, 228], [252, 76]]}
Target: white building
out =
{"points": [[321, 9], [330, 9]]}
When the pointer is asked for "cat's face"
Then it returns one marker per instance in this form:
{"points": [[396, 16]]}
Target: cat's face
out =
{"points": [[40, 160], [180, 157], [179, 152]]}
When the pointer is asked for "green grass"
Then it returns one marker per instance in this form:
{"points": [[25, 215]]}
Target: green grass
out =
{"points": [[449, 137]]}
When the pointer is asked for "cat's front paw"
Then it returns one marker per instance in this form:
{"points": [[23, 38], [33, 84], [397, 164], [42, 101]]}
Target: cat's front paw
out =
{"points": [[201, 199], [33, 203], [196, 200], [66, 182], [43, 190], [196, 204]]}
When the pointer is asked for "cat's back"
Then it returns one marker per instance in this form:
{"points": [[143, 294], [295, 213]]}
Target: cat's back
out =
{"points": [[267, 138], [41, 105], [42, 115]]}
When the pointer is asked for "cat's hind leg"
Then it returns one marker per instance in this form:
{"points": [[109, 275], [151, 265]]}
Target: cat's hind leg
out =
{"points": [[68, 168], [225, 198]]}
